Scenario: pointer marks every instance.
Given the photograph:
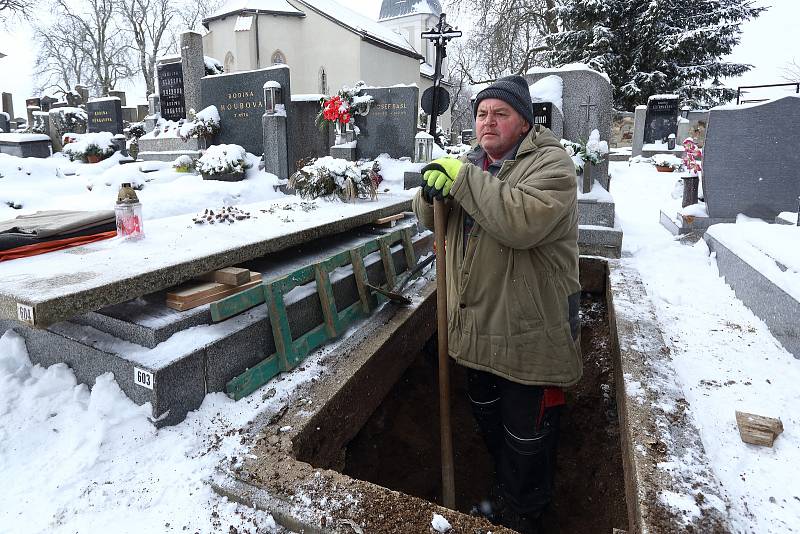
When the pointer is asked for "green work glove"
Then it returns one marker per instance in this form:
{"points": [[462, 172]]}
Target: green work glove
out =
{"points": [[439, 176]]}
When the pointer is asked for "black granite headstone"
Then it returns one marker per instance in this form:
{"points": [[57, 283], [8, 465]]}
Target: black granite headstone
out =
{"points": [[105, 115], [170, 91], [467, 136], [661, 119], [239, 97], [390, 125], [543, 114]]}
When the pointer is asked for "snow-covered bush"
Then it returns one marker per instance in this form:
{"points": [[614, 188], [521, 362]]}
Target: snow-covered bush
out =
{"points": [[68, 120], [201, 125], [667, 160], [182, 163], [336, 178], [222, 159], [135, 130], [213, 66], [99, 144]]}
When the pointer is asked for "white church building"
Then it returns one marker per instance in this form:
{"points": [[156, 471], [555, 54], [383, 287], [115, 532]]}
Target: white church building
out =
{"points": [[325, 44]]}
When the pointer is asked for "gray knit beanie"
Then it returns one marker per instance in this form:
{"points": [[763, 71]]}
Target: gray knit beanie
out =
{"points": [[512, 90]]}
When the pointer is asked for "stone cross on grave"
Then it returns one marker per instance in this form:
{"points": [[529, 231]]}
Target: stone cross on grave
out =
{"points": [[588, 125], [588, 105]]}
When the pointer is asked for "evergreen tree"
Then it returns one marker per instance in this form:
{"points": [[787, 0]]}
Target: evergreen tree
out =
{"points": [[649, 47]]}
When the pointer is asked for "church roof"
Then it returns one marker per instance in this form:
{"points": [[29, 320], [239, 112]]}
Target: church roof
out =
{"points": [[368, 29], [231, 7], [400, 8]]}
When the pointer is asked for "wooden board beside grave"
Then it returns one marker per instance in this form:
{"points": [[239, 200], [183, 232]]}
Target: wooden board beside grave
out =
{"points": [[192, 295], [232, 276]]}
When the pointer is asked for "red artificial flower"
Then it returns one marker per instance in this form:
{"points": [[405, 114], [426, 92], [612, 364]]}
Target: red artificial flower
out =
{"points": [[344, 118]]}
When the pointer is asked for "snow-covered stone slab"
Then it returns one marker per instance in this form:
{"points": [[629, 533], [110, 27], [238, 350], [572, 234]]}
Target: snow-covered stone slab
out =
{"points": [[761, 263], [670, 485], [596, 207], [45, 289], [594, 240]]}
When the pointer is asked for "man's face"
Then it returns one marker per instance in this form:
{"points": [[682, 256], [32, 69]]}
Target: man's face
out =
{"points": [[499, 127]]}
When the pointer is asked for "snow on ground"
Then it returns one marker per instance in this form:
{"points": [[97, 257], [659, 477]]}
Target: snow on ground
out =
{"points": [[725, 357], [74, 460]]}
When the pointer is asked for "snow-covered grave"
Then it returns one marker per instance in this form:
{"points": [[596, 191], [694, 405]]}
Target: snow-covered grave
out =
{"points": [[761, 262]]}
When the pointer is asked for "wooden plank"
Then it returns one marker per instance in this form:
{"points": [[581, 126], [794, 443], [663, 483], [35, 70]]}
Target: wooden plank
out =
{"points": [[758, 429], [235, 304], [198, 290], [232, 276], [391, 219], [187, 304]]}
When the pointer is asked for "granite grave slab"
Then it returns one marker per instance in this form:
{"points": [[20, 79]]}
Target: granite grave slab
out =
{"points": [[25, 145], [752, 174]]}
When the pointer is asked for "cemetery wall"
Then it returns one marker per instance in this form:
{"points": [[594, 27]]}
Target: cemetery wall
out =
{"points": [[621, 129]]}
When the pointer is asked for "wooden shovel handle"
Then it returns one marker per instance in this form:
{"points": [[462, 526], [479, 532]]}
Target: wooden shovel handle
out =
{"points": [[440, 212]]}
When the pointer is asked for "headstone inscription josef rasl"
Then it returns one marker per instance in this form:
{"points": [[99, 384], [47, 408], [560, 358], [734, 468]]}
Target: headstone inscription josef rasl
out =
{"points": [[661, 119], [390, 125], [170, 91], [239, 97], [105, 115], [752, 174]]}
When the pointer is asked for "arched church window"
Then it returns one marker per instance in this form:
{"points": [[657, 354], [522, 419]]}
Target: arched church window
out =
{"points": [[278, 58], [229, 62], [323, 81]]}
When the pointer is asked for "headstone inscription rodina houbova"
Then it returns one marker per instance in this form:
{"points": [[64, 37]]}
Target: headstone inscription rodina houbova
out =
{"points": [[170, 91], [661, 119]]}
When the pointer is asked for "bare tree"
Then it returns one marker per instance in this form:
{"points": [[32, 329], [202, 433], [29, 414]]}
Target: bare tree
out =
{"points": [[105, 45], [508, 35], [791, 71], [148, 22], [192, 13], [61, 62], [460, 62], [11, 8]]}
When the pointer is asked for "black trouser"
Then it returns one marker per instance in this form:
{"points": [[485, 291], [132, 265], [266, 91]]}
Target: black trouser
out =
{"points": [[521, 436]]}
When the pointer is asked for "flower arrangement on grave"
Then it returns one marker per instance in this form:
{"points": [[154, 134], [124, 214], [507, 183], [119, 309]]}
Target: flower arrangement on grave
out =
{"points": [[90, 148], [693, 156], [135, 130], [202, 125], [336, 178], [667, 163], [340, 109], [592, 150], [183, 164], [222, 160]]}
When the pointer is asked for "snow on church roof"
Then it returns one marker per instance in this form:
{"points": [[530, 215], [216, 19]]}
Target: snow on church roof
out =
{"points": [[267, 6], [360, 24], [364, 26], [400, 8]]}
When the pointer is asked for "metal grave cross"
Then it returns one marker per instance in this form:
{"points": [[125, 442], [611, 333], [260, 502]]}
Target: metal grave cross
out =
{"points": [[439, 35]]}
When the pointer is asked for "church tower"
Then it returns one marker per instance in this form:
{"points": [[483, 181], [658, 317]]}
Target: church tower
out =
{"points": [[410, 18]]}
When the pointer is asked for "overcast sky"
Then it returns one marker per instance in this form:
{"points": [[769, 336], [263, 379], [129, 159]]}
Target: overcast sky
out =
{"points": [[768, 43]]}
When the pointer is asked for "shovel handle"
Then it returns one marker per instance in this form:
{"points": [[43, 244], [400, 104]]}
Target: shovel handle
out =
{"points": [[440, 210]]}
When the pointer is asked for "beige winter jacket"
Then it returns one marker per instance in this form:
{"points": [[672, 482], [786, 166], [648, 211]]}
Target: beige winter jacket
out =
{"points": [[507, 294]]}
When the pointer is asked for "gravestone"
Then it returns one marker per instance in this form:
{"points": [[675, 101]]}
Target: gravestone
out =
{"points": [[31, 110], [8, 104], [390, 125], [25, 145], [130, 114], [639, 114], [752, 174], [170, 91], [105, 115], [311, 141], [83, 92], [5, 123], [47, 102], [543, 114], [141, 112], [467, 136], [661, 118], [239, 97], [193, 65], [120, 95], [586, 105], [33, 102], [74, 99]]}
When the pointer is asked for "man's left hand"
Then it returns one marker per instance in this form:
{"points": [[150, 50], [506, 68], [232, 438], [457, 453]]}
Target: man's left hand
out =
{"points": [[439, 176]]}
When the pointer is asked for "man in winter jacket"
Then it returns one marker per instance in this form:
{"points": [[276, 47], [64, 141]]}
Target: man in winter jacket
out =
{"points": [[512, 288]]}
